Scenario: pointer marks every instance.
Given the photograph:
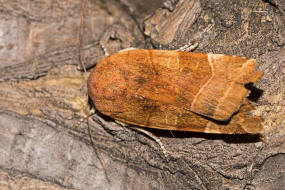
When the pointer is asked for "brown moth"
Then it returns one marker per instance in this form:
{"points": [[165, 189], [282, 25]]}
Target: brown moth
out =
{"points": [[175, 90]]}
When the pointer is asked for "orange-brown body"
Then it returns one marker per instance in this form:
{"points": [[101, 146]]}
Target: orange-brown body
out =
{"points": [[176, 90]]}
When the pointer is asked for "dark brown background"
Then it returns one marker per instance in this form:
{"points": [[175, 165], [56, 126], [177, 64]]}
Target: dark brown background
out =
{"points": [[44, 141]]}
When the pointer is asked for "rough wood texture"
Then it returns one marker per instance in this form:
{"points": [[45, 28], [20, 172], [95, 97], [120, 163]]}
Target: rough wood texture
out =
{"points": [[164, 89], [44, 141]]}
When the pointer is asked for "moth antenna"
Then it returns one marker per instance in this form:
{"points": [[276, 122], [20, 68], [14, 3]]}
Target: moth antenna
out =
{"points": [[97, 150], [94, 144], [79, 37]]}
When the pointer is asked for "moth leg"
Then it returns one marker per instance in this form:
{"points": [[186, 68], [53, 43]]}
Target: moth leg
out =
{"points": [[155, 138], [150, 135], [128, 49], [121, 123], [188, 47], [92, 111]]}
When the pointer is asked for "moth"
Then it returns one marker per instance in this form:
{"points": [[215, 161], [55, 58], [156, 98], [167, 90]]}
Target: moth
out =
{"points": [[174, 90]]}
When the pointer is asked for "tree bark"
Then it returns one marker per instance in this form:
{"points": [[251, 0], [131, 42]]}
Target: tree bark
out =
{"points": [[44, 139]]}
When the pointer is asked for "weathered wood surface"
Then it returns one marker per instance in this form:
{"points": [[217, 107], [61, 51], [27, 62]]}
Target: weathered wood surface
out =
{"points": [[43, 97]]}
